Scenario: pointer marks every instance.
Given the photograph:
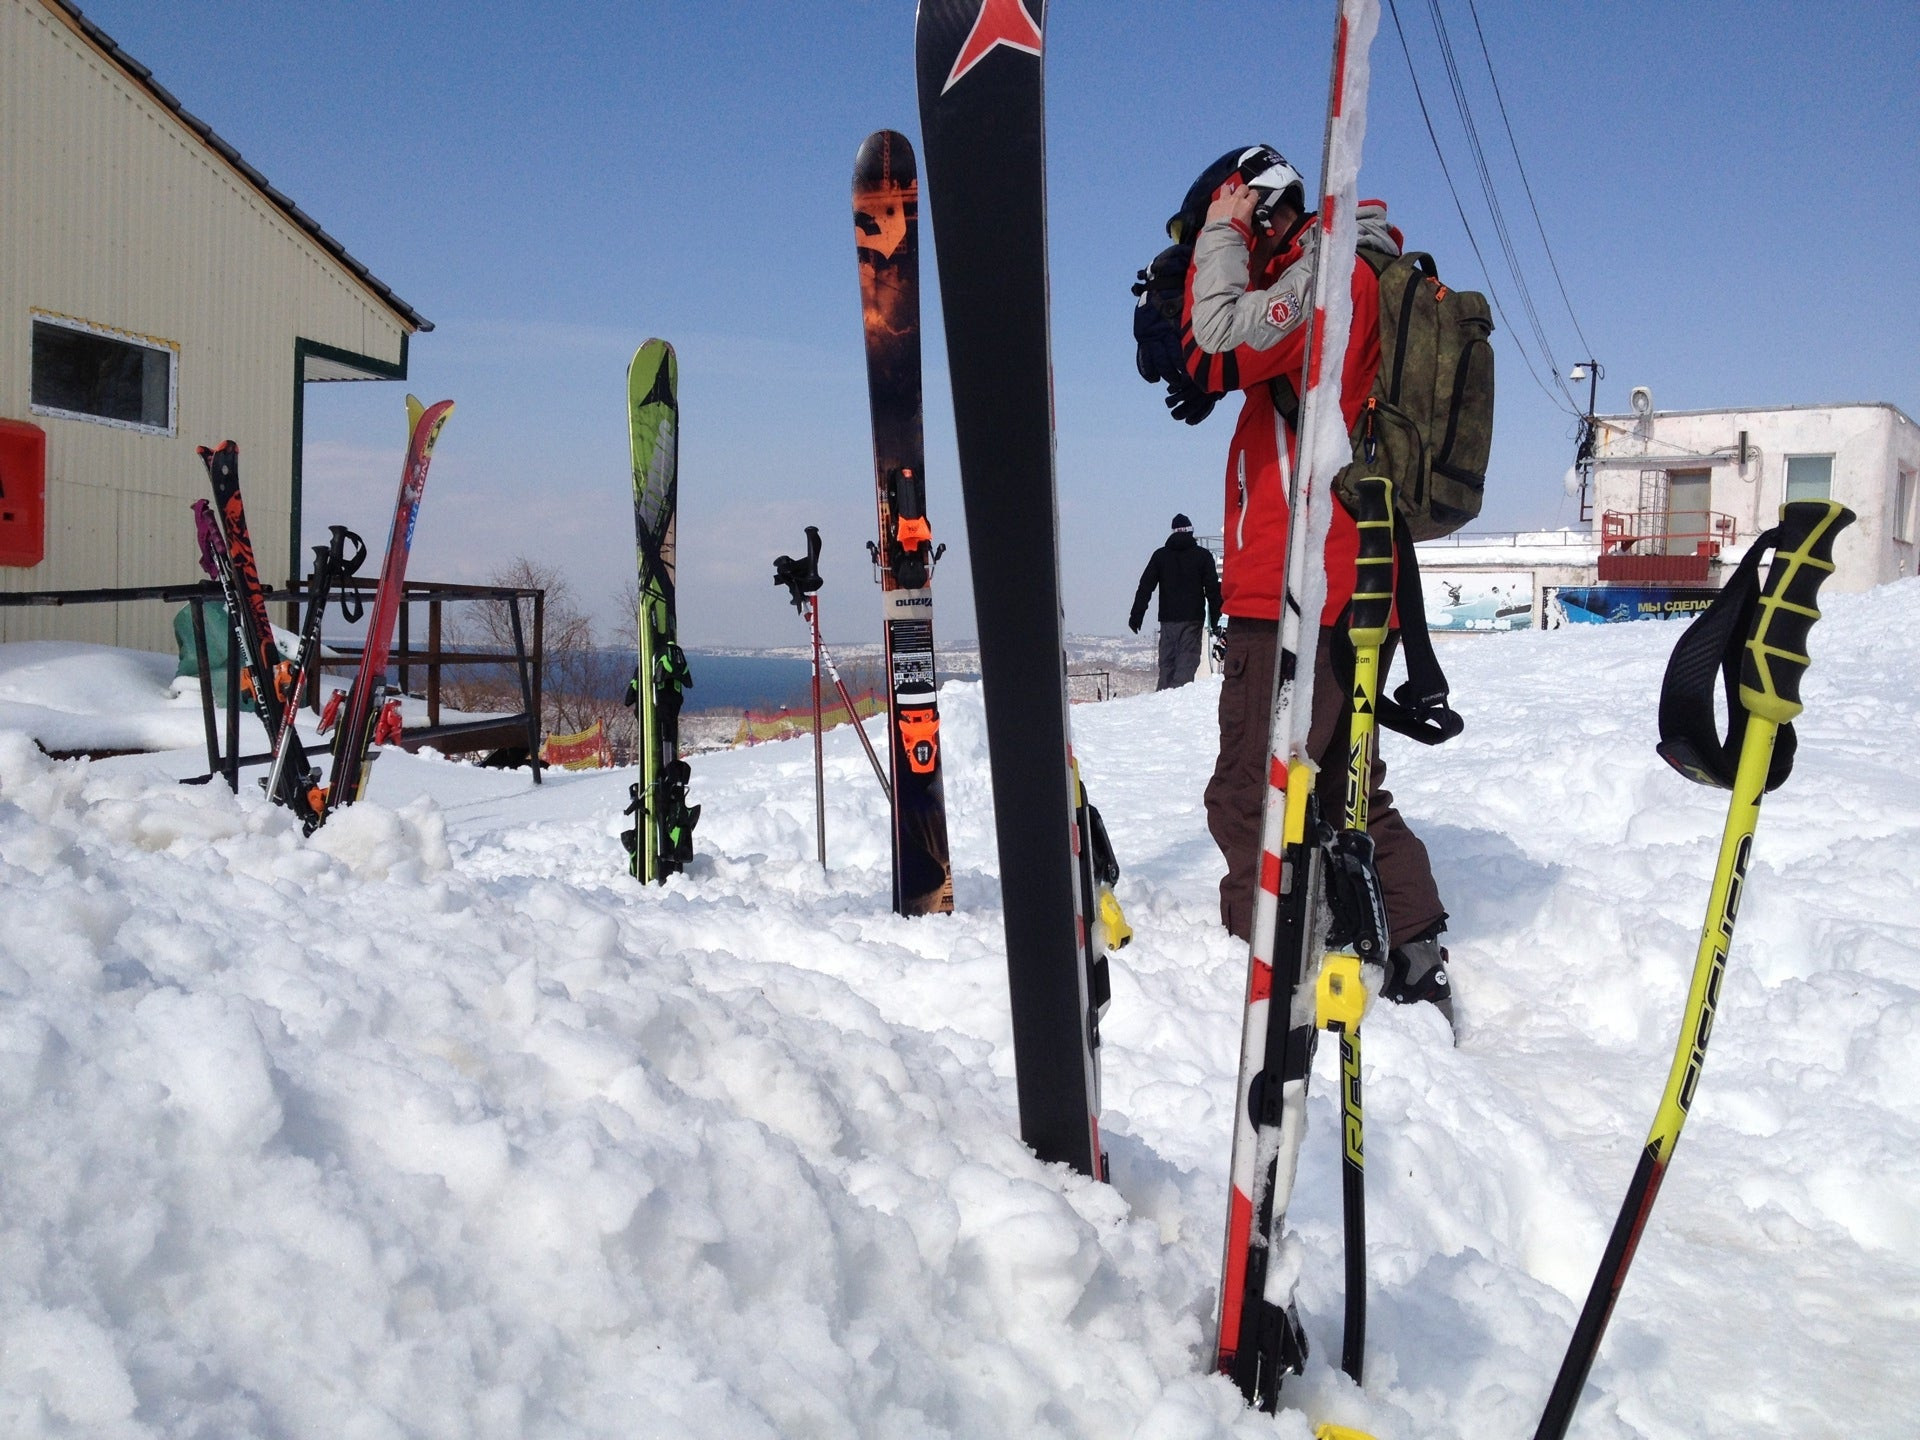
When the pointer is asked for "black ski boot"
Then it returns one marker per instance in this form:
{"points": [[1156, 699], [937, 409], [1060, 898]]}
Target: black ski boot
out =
{"points": [[1417, 971]]}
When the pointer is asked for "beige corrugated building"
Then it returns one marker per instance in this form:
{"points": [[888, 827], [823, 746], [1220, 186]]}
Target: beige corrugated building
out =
{"points": [[157, 294]]}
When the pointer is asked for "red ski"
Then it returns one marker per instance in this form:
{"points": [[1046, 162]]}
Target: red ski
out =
{"points": [[363, 716]]}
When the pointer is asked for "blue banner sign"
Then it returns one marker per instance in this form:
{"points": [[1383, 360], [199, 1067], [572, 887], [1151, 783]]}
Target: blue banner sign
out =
{"points": [[1611, 604]]}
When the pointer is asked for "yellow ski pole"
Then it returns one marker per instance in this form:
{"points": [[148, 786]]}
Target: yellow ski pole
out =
{"points": [[1340, 996], [1771, 660]]}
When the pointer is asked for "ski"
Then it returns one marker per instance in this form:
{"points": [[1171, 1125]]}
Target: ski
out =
{"points": [[661, 840], [226, 552], [1259, 1336], [981, 120], [886, 203], [363, 716]]}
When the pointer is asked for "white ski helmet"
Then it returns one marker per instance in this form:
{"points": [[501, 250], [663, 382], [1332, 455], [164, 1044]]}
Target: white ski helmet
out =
{"points": [[1261, 168]]}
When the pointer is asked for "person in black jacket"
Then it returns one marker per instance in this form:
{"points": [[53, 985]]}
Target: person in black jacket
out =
{"points": [[1189, 589]]}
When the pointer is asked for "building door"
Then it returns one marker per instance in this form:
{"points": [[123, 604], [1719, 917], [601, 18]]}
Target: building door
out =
{"points": [[1688, 505]]}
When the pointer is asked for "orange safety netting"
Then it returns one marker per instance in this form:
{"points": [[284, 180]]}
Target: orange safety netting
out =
{"points": [[759, 726], [588, 749]]}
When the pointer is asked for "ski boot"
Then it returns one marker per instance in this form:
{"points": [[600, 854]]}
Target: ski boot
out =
{"points": [[1417, 971]]}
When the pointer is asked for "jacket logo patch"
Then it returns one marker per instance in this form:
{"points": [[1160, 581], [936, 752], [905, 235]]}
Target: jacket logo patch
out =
{"points": [[1283, 311]]}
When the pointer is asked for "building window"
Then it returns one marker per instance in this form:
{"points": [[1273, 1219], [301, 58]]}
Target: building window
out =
{"points": [[88, 372], [1809, 477], [1903, 506]]}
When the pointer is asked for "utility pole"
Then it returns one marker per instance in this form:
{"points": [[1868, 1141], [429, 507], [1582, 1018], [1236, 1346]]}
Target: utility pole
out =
{"points": [[1589, 370]]}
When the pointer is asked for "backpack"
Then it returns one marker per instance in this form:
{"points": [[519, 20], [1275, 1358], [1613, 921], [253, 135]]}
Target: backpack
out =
{"points": [[1428, 423]]}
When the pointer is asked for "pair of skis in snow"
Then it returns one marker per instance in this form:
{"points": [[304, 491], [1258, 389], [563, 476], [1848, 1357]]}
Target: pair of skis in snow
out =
{"points": [[359, 717]]}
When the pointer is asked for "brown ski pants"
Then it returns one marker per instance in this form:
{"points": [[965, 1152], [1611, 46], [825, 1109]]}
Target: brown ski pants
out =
{"points": [[1238, 788]]}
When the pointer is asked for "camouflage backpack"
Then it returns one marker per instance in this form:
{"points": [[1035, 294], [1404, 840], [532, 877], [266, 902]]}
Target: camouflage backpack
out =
{"points": [[1428, 423]]}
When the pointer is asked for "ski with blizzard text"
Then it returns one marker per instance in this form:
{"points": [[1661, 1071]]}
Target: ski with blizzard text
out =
{"points": [[363, 716], [886, 204], [661, 840], [982, 125]]}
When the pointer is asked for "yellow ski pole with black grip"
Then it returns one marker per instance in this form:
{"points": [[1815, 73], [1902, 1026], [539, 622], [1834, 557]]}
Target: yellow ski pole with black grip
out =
{"points": [[1760, 636], [1360, 922]]}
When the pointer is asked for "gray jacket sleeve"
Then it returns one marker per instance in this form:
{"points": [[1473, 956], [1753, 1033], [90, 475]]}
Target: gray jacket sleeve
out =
{"points": [[1226, 314]]}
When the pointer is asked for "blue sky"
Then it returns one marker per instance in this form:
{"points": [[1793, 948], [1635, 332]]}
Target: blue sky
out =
{"points": [[1729, 190]]}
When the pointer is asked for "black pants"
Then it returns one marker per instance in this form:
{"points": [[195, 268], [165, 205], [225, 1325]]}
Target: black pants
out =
{"points": [[1238, 788]]}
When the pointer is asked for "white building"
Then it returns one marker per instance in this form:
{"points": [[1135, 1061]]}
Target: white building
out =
{"points": [[156, 294], [1668, 483]]}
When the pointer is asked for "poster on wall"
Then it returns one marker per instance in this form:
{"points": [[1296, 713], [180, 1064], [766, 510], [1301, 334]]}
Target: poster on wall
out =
{"points": [[1462, 600], [1613, 604]]}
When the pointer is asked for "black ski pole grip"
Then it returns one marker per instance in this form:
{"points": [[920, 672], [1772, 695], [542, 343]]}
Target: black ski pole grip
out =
{"points": [[346, 561], [1373, 571], [1776, 652]]}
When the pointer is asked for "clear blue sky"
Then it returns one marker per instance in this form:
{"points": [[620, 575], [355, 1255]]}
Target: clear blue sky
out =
{"points": [[1729, 189]]}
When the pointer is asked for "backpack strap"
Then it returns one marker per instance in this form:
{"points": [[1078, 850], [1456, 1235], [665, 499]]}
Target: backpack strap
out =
{"points": [[1418, 708], [1689, 733]]}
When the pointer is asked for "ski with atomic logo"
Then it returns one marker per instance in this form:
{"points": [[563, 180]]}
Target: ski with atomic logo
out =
{"points": [[886, 204], [363, 716], [661, 840], [982, 126]]}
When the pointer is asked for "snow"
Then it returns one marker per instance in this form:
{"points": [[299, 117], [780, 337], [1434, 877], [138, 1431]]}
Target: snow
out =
{"points": [[437, 1125]]}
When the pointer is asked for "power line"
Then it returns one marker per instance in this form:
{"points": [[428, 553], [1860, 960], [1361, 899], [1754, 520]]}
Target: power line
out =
{"points": [[1491, 194], [1486, 270], [1525, 183]]}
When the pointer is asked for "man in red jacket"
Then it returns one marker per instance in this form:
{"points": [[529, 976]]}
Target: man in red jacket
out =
{"points": [[1249, 290]]}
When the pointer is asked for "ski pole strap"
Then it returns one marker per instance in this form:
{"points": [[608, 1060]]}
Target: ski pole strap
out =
{"points": [[1418, 708], [338, 562], [207, 533], [1755, 638]]}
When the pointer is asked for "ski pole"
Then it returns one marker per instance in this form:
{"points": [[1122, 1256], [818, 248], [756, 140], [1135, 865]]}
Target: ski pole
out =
{"points": [[819, 751], [1771, 658], [330, 563], [1360, 917], [853, 714]]}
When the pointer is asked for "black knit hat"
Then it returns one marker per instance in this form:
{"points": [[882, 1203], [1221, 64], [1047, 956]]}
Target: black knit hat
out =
{"points": [[1181, 522]]}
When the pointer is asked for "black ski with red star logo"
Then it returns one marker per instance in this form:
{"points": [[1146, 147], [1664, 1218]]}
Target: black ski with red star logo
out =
{"points": [[886, 203], [981, 123]]}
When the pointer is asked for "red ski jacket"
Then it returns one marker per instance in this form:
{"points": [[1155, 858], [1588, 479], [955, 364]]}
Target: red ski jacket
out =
{"points": [[1241, 332]]}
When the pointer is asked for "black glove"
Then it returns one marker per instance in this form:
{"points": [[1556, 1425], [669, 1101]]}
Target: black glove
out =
{"points": [[1156, 317], [1187, 402], [1133, 625]]}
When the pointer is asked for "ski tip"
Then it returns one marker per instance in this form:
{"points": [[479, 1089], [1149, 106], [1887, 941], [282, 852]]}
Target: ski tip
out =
{"points": [[653, 375], [432, 416], [651, 350], [885, 159]]}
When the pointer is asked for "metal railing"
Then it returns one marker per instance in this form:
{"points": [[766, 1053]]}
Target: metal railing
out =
{"points": [[494, 732]]}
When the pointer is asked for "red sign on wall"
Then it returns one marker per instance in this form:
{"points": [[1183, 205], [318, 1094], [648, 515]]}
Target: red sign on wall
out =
{"points": [[23, 493]]}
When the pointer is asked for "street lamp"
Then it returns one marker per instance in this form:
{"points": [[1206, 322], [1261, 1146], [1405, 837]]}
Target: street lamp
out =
{"points": [[1590, 371]]}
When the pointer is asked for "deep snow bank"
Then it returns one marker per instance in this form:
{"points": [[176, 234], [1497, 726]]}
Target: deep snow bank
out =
{"points": [[436, 1125]]}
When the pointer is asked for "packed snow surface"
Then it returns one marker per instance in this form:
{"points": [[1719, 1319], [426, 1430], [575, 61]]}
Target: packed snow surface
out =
{"points": [[438, 1125]]}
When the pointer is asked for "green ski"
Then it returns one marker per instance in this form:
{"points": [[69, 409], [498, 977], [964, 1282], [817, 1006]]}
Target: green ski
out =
{"points": [[661, 840]]}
